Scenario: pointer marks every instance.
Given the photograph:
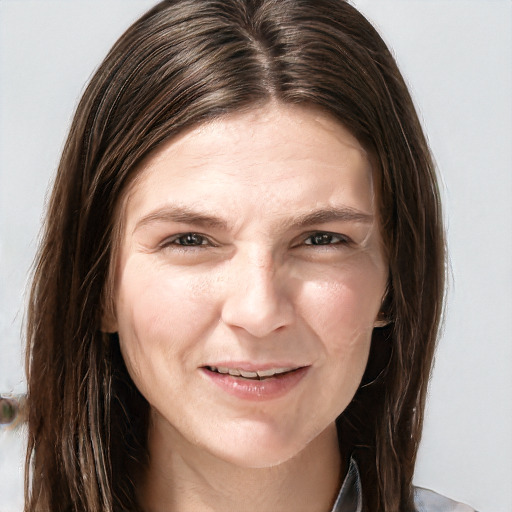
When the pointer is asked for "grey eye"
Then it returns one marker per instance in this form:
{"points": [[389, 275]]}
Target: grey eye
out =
{"points": [[323, 239], [190, 239]]}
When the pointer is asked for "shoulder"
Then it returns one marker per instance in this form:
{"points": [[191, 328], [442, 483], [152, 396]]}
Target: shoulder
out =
{"points": [[426, 500]]}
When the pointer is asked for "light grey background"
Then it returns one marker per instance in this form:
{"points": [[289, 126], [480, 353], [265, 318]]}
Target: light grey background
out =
{"points": [[456, 55]]}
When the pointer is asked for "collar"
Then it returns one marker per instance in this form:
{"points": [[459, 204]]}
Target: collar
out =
{"points": [[350, 496]]}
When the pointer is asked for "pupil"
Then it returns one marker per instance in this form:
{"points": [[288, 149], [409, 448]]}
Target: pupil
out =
{"points": [[191, 239], [321, 239]]}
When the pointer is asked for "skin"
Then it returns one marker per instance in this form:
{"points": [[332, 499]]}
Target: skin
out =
{"points": [[260, 281]]}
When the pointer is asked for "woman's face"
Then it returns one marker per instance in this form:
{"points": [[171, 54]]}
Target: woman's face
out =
{"points": [[249, 278]]}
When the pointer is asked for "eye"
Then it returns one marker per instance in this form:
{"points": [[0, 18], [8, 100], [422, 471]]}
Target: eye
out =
{"points": [[187, 240], [322, 238]]}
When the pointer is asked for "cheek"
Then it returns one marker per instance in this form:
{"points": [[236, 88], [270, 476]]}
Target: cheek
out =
{"points": [[345, 302], [161, 314]]}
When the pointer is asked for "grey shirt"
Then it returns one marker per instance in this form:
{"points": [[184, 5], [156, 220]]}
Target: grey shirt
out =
{"points": [[350, 497]]}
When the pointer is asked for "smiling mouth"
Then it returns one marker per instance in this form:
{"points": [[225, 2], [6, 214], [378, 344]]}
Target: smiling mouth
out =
{"points": [[255, 375]]}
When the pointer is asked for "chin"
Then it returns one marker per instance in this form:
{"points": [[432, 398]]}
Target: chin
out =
{"points": [[257, 447], [258, 458]]}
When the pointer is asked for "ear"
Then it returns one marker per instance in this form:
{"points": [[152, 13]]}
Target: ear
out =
{"points": [[383, 316], [382, 320]]}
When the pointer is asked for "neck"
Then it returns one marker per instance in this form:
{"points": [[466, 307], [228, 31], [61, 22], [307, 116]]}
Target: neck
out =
{"points": [[190, 480]]}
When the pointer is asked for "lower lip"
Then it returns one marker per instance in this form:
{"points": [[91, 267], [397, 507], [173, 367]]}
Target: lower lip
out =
{"points": [[257, 390]]}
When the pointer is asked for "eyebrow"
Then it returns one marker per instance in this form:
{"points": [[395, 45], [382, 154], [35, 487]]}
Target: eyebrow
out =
{"points": [[332, 214], [187, 215], [183, 215]]}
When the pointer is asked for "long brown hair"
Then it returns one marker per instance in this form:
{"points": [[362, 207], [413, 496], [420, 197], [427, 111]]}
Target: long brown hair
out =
{"points": [[184, 62]]}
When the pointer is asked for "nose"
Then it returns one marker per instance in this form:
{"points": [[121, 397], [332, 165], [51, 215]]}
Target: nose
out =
{"points": [[257, 300]]}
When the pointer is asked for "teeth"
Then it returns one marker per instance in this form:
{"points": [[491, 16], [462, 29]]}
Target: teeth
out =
{"points": [[272, 371], [248, 375], [261, 374]]}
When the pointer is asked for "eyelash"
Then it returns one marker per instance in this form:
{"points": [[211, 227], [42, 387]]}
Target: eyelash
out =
{"points": [[308, 241], [327, 236], [172, 241]]}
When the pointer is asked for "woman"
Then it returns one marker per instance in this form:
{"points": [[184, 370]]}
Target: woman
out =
{"points": [[237, 297]]}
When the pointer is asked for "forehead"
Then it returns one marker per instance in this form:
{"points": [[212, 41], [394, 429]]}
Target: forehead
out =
{"points": [[280, 156], [276, 127]]}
